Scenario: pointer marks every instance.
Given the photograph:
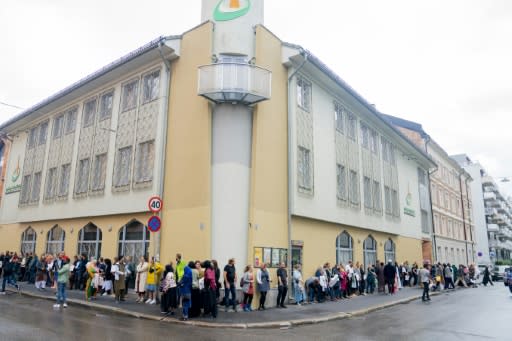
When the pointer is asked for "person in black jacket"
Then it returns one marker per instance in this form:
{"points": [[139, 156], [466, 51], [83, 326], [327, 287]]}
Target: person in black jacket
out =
{"points": [[389, 276], [9, 266]]}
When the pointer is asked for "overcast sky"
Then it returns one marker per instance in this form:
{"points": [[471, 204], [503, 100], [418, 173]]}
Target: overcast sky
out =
{"points": [[444, 64]]}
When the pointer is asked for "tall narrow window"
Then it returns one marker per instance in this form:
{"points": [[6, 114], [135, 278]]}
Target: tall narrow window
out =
{"points": [[370, 251], [89, 241], [99, 172], [65, 172], [394, 203], [89, 113], [341, 177], [351, 126], [377, 196], [385, 150], [82, 181], [151, 84], [344, 248], [51, 179], [123, 168], [32, 137], [106, 104], [365, 138], [43, 131], [134, 240], [392, 159], [55, 240], [25, 189], [36, 188], [129, 96], [303, 168], [145, 162], [28, 241], [354, 187], [389, 251], [387, 200], [303, 94], [374, 142], [58, 122], [367, 192], [338, 118], [71, 120]]}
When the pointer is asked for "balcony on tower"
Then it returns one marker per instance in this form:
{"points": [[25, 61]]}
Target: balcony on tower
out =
{"points": [[234, 82]]}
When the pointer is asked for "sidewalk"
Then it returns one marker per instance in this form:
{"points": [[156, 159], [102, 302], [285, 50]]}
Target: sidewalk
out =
{"points": [[270, 318]]}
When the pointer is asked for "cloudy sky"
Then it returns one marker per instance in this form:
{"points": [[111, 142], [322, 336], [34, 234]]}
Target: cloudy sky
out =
{"points": [[444, 64]]}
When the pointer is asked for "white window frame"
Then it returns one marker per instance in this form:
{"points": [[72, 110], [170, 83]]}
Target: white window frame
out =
{"points": [[26, 186], [339, 117], [374, 142], [43, 132], [351, 127], [122, 175], [36, 187], [70, 121], [369, 251], [28, 245], [51, 180], [151, 86], [344, 253], [83, 174], [32, 137], [377, 196], [365, 136], [97, 242], [395, 202], [130, 88], [354, 193], [58, 125], [304, 93], [99, 172], [89, 112], [304, 177], [341, 182], [387, 200], [105, 110], [145, 162], [367, 192], [50, 240], [64, 179], [390, 251]]}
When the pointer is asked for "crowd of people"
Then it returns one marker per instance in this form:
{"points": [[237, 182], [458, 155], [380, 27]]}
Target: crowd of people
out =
{"points": [[195, 286]]}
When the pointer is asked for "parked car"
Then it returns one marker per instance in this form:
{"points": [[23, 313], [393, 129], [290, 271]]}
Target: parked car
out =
{"points": [[499, 272]]}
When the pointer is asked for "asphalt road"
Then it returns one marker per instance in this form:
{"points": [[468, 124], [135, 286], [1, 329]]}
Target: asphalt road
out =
{"points": [[467, 314]]}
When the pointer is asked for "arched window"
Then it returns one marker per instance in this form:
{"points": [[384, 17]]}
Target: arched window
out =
{"points": [[389, 251], [89, 241], [134, 240], [55, 240], [28, 241], [370, 251], [344, 249]]}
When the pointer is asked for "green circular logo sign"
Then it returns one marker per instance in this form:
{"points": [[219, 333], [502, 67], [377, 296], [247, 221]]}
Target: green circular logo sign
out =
{"points": [[231, 9]]}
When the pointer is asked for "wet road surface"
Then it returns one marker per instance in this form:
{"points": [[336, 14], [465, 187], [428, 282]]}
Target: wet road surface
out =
{"points": [[468, 314]]}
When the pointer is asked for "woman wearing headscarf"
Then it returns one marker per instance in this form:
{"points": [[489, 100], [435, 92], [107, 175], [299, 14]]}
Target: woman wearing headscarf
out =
{"points": [[210, 285], [186, 292]]}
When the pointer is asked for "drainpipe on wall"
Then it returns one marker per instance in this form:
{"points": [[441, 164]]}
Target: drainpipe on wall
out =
{"points": [[464, 214], [434, 246], [290, 187], [163, 135]]}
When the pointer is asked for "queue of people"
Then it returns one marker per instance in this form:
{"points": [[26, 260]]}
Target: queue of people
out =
{"points": [[194, 287]]}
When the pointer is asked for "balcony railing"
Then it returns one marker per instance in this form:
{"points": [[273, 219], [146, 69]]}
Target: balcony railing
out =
{"points": [[234, 83], [493, 228], [489, 196]]}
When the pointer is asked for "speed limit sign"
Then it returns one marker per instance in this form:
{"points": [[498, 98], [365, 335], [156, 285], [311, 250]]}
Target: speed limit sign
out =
{"points": [[155, 204]]}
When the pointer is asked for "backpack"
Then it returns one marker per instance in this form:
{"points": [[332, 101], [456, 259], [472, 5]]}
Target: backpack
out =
{"points": [[242, 282]]}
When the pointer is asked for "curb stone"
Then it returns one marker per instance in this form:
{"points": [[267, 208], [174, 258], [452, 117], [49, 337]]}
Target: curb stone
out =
{"points": [[274, 324]]}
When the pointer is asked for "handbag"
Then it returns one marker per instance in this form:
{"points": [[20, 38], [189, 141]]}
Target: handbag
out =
{"points": [[438, 278]]}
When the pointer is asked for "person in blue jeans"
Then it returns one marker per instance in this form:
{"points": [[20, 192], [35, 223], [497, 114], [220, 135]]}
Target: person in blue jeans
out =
{"points": [[9, 277], [62, 281], [229, 284]]}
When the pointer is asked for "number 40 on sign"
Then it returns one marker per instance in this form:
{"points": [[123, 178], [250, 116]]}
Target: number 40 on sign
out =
{"points": [[155, 204]]}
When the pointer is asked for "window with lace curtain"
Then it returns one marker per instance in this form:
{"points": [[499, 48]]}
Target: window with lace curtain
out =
{"points": [[123, 167], [106, 103], [82, 181], [99, 172], [151, 86], [129, 96], [145, 162], [51, 181], [36, 188], [65, 172], [28, 241], [89, 113]]}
